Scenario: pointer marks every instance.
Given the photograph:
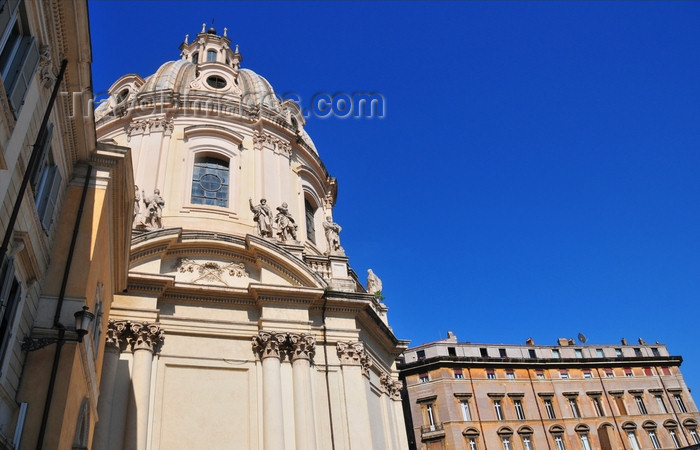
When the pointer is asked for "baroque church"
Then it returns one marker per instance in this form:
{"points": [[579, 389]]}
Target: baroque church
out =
{"points": [[242, 324]]}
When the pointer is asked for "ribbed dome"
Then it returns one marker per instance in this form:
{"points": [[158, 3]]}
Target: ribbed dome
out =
{"points": [[179, 75]]}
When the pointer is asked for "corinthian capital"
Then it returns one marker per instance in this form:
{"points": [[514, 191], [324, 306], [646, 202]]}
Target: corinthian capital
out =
{"points": [[269, 344], [351, 353], [145, 335], [301, 346], [395, 391], [117, 334]]}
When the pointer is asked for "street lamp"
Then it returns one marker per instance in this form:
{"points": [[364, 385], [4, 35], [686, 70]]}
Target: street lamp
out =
{"points": [[83, 319]]}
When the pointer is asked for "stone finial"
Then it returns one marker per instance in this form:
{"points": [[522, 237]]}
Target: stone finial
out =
{"points": [[623, 341], [204, 27], [301, 346], [374, 283], [145, 336], [641, 342], [269, 344], [117, 334], [187, 38], [225, 32]]}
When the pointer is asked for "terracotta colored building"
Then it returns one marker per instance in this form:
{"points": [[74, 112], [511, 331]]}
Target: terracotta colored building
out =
{"points": [[568, 396]]}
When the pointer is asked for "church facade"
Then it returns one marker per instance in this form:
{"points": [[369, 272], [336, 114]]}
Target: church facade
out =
{"points": [[242, 324]]}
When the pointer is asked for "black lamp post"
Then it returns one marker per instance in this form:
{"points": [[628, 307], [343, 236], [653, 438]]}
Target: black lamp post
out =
{"points": [[83, 319]]}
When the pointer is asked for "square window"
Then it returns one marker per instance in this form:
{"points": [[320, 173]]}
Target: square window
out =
{"points": [[618, 352], [599, 353], [647, 371], [458, 374], [423, 377], [539, 373], [609, 373], [587, 373], [666, 371], [510, 374], [420, 354], [484, 352], [579, 353], [451, 351], [655, 351], [532, 354], [490, 374], [628, 372], [564, 374], [555, 354], [502, 352]]}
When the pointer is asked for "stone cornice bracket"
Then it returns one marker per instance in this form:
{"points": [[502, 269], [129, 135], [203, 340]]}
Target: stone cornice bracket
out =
{"points": [[146, 336], [268, 344], [278, 145], [301, 346], [354, 354], [136, 127], [117, 334]]}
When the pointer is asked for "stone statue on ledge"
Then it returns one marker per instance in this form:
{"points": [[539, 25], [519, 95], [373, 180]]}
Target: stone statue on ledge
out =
{"points": [[374, 284], [333, 236], [154, 207], [263, 217], [286, 228]]}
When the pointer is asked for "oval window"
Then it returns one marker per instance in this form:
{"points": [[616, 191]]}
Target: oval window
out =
{"points": [[122, 96], [216, 82]]}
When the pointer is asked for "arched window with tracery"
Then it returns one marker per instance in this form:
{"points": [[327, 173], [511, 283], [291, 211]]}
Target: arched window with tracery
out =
{"points": [[210, 181]]}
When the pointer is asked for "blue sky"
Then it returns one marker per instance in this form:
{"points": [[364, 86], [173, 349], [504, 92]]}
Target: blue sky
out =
{"points": [[535, 175]]}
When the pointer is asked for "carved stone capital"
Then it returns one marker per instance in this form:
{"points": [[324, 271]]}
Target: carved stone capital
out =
{"points": [[351, 353], [301, 346], [396, 388], [146, 336], [385, 382], [365, 363], [269, 344], [117, 334]]}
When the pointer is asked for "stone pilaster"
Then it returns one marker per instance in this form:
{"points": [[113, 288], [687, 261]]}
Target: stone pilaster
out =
{"points": [[354, 363], [268, 346], [145, 339], [301, 349], [116, 337]]}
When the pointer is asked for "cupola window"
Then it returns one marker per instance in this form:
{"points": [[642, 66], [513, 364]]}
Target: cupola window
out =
{"points": [[211, 55], [310, 228], [210, 181], [216, 82], [195, 58]]}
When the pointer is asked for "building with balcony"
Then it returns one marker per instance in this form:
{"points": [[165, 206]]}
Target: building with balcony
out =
{"points": [[566, 396], [242, 324]]}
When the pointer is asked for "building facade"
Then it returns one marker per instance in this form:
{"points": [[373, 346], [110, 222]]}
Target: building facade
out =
{"points": [[568, 396], [242, 324], [65, 222]]}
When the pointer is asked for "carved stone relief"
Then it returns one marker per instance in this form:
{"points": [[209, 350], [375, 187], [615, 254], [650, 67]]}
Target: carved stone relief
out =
{"points": [[210, 271]]}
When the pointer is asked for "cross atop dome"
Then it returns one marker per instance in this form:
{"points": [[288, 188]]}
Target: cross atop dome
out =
{"points": [[209, 47]]}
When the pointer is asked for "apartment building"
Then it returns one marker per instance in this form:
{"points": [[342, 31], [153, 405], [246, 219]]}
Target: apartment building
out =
{"points": [[564, 396]]}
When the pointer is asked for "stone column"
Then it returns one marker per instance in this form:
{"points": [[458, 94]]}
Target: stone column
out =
{"points": [[355, 363], [146, 337], [302, 348], [267, 346], [115, 341]]}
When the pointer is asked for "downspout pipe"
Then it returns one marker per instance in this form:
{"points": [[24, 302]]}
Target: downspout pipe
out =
{"points": [[325, 357], [33, 163], [59, 306]]}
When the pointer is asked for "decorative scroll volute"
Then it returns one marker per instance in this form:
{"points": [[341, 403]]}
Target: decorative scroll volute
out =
{"points": [[396, 388], [146, 336], [269, 344], [301, 346], [117, 334]]}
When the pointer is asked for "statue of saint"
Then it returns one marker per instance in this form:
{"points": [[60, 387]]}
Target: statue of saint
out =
{"points": [[262, 216], [138, 220], [286, 228], [154, 206], [374, 284], [332, 235]]}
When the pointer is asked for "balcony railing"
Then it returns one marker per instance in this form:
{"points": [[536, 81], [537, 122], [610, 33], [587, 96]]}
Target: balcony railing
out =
{"points": [[432, 431]]}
